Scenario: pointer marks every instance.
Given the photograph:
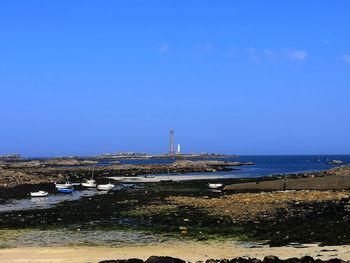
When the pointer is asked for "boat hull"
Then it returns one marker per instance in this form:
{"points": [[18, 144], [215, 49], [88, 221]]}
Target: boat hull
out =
{"points": [[39, 194], [105, 187], [215, 186], [88, 185], [66, 185], [65, 190]]}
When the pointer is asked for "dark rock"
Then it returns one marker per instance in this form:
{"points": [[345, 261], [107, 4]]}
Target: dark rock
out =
{"points": [[271, 259], [267, 259], [155, 259], [335, 260], [307, 259], [242, 260], [292, 260], [131, 260]]}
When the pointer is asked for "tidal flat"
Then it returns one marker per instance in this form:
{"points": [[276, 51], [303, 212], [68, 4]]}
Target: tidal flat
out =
{"points": [[187, 211]]}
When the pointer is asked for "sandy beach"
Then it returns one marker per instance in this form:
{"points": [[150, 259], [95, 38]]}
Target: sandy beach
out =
{"points": [[189, 251]]}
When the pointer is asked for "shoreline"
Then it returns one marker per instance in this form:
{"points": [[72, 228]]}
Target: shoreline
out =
{"points": [[189, 251]]}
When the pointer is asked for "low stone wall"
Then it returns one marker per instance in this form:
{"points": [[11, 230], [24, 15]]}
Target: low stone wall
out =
{"points": [[335, 182]]}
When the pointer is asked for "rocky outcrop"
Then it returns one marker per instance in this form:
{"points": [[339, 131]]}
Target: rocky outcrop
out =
{"points": [[67, 162], [336, 162], [267, 259], [11, 157], [12, 178], [249, 207], [131, 260], [155, 259]]}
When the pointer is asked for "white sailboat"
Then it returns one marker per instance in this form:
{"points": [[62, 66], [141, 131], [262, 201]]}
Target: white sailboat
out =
{"points": [[90, 183]]}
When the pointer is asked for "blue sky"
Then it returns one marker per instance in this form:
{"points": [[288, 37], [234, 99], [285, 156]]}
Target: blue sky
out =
{"points": [[242, 77]]}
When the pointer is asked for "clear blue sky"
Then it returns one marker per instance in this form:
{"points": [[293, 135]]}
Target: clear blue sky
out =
{"points": [[245, 77]]}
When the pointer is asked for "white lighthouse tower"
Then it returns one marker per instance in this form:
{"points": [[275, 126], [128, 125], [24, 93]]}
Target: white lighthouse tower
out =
{"points": [[178, 149]]}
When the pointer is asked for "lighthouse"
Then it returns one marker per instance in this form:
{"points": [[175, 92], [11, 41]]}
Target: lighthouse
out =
{"points": [[171, 146]]}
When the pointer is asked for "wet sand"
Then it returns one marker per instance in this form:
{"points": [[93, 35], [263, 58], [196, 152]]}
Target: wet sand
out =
{"points": [[189, 251]]}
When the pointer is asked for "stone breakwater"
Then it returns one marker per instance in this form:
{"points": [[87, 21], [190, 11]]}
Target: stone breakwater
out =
{"points": [[333, 179], [267, 259]]}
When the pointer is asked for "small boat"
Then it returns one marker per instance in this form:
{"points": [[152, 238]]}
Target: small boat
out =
{"points": [[149, 176], [39, 194], [215, 186], [90, 183], [64, 185], [76, 184], [105, 187], [65, 190]]}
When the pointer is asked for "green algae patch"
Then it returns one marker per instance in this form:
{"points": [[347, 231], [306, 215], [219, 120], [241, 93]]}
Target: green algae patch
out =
{"points": [[151, 210], [7, 235]]}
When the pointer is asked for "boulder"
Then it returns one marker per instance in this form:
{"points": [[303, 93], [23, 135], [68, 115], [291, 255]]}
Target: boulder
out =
{"points": [[307, 259], [335, 260], [242, 260], [155, 259], [131, 260], [271, 259]]}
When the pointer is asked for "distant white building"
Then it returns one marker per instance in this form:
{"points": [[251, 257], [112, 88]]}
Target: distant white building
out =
{"points": [[178, 148]]}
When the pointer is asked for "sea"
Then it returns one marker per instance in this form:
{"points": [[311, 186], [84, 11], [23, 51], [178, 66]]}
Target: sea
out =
{"points": [[264, 165]]}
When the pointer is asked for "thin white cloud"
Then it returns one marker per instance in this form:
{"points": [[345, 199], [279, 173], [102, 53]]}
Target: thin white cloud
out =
{"points": [[346, 58], [298, 55], [253, 55], [270, 53], [258, 55], [164, 48]]}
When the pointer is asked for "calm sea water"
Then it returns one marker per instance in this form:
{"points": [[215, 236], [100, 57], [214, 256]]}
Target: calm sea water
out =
{"points": [[269, 165]]}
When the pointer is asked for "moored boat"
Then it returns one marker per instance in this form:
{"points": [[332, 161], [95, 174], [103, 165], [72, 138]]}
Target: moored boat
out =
{"points": [[105, 187], [215, 186], [65, 190], [39, 194], [63, 185], [90, 183]]}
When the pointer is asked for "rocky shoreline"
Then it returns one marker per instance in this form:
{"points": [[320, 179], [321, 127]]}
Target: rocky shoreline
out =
{"points": [[35, 172], [266, 259]]}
